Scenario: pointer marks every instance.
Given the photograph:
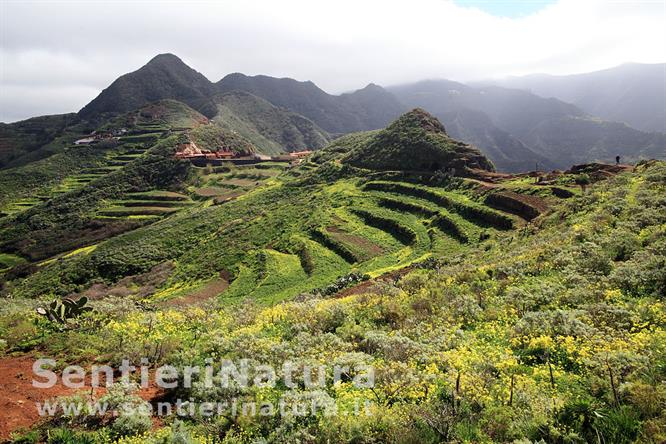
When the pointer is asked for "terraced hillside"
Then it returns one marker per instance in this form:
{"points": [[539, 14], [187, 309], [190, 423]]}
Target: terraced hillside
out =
{"points": [[107, 159], [276, 231], [75, 166], [85, 193], [282, 238], [461, 285], [145, 205], [223, 183]]}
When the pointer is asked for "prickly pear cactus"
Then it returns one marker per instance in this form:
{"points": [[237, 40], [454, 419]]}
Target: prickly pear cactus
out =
{"points": [[67, 309]]}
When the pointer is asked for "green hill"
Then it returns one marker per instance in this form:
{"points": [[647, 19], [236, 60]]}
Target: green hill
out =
{"points": [[271, 129], [167, 112], [216, 138], [32, 139], [492, 309], [415, 141]]}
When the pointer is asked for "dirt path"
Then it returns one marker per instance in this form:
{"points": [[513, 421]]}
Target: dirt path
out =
{"points": [[18, 408], [483, 184]]}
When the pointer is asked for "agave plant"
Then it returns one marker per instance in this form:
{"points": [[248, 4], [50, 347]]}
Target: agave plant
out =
{"points": [[68, 308]]}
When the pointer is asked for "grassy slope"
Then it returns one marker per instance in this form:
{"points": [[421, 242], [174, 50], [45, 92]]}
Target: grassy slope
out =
{"points": [[370, 232], [88, 179], [554, 332], [32, 139], [271, 129], [277, 216]]}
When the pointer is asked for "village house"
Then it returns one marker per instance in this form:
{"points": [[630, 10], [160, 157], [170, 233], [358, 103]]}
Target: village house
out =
{"points": [[294, 158], [96, 137], [300, 154], [190, 150], [85, 141]]}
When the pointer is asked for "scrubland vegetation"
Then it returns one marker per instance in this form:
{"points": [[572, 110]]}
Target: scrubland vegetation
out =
{"points": [[482, 325]]}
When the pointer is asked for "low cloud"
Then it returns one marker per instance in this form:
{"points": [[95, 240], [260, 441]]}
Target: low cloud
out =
{"points": [[57, 56]]}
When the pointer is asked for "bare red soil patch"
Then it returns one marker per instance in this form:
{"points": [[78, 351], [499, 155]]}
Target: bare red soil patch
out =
{"points": [[18, 409]]}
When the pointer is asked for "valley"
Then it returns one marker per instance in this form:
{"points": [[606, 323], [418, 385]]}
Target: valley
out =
{"points": [[359, 226], [174, 222]]}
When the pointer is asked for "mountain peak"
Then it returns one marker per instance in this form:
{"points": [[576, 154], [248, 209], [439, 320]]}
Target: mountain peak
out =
{"points": [[232, 76], [420, 118], [372, 86], [416, 141], [165, 58], [165, 76]]}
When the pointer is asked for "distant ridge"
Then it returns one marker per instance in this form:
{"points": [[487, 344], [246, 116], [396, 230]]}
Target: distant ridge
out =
{"points": [[369, 108], [506, 151], [634, 93], [551, 129], [270, 128]]}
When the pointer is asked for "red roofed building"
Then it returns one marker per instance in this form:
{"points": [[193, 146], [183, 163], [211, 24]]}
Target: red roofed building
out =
{"points": [[300, 154]]}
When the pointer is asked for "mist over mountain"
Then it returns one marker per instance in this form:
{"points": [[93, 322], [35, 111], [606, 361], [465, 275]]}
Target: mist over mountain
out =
{"points": [[633, 93], [513, 110], [507, 152], [549, 128]]}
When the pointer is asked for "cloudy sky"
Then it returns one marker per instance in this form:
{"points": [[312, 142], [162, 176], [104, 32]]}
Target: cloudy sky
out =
{"points": [[56, 56]]}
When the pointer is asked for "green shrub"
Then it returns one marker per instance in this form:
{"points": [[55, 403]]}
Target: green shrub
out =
{"points": [[130, 424], [29, 437], [619, 426], [134, 412]]}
